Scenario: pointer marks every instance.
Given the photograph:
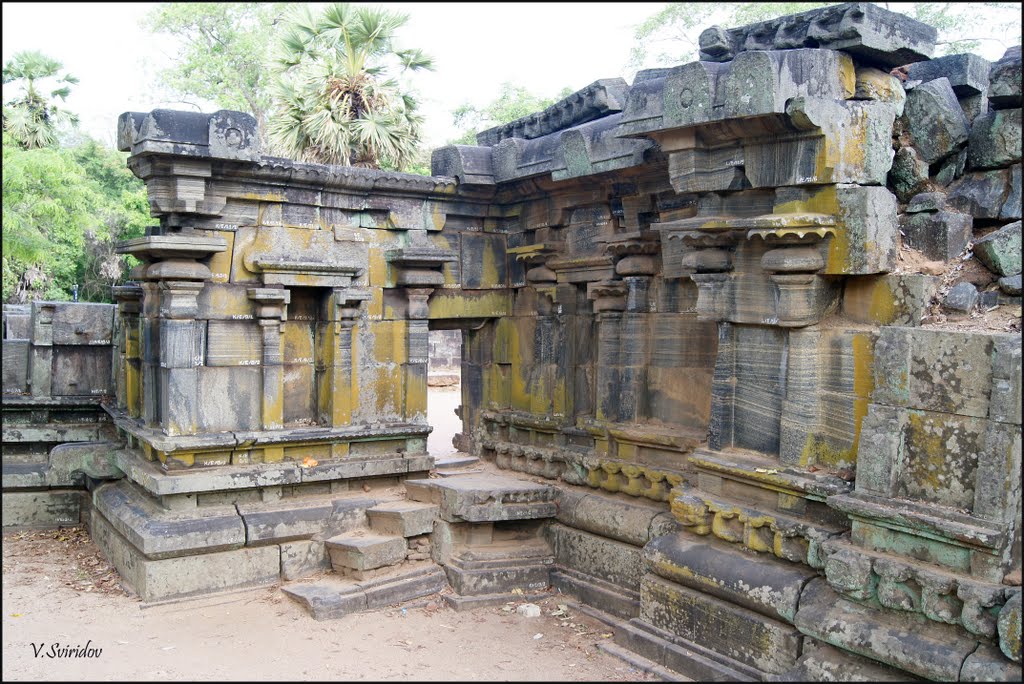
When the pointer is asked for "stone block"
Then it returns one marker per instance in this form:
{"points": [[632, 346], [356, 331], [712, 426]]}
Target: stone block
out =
{"points": [[1004, 80], [301, 519], [402, 518], [1000, 250], [909, 173], [78, 323], [496, 577], [626, 520], [301, 559], [875, 84], [79, 371], [333, 597], [15, 366], [186, 576], [1009, 624], [980, 194], [41, 509], [927, 201], [961, 297], [158, 533], [1011, 208], [481, 498], [936, 123], [934, 370], [1010, 285], [995, 139], [889, 299], [763, 584], [919, 646], [740, 634], [875, 35], [820, 662], [614, 562], [967, 73], [361, 551], [940, 236], [987, 664]]}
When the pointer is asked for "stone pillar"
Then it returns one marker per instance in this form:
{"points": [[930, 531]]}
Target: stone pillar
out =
{"points": [[180, 354], [339, 360], [150, 331], [41, 360], [418, 353], [271, 310], [127, 349]]}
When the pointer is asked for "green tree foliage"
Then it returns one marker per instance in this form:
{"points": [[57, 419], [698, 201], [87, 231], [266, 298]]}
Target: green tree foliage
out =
{"points": [[62, 211], [669, 36], [224, 51], [513, 103], [32, 119], [337, 89]]}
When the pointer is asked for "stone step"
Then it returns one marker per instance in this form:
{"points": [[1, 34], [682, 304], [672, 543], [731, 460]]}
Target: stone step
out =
{"points": [[356, 553], [334, 597], [403, 518], [455, 461], [485, 498]]}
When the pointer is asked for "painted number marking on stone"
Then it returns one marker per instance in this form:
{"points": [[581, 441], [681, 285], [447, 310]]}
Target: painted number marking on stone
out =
{"points": [[249, 362], [242, 317]]}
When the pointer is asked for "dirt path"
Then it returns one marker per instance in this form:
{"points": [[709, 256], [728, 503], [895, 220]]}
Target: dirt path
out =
{"points": [[58, 589]]}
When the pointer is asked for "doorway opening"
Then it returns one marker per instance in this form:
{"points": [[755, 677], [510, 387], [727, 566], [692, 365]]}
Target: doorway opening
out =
{"points": [[444, 396]]}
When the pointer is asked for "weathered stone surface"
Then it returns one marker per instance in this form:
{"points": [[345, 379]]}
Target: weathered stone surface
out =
{"points": [[477, 498], [301, 559], [987, 664], [927, 201], [925, 649], [402, 518], [333, 598], [1009, 627], [1010, 285], [158, 533], [1004, 80], [889, 299], [875, 35], [302, 519], [737, 633], [362, 551], [961, 297], [995, 139], [935, 121], [980, 194], [15, 366], [967, 73], [941, 235], [614, 562], [41, 509], [176, 578], [768, 586], [875, 84], [1000, 250], [820, 662], [909, 173]]}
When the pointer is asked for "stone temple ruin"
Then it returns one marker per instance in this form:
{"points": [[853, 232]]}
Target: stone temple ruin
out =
{"points": [[736, 421]]}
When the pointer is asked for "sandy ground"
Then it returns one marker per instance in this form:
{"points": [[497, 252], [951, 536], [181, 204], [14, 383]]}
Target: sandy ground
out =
{"points": [[58, 589]]}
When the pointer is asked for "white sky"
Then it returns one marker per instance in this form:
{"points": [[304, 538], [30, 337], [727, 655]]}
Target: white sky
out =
{"points": [[475, 46]]}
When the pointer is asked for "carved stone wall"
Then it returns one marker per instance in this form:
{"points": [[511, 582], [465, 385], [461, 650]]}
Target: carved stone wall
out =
{"points": [[755, 317]]}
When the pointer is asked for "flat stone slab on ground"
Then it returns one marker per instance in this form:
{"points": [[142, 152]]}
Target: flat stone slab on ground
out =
{"points": [[335, 597]]}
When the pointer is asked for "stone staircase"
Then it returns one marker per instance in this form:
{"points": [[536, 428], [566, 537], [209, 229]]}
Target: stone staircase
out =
{"points": [[478, 534]]}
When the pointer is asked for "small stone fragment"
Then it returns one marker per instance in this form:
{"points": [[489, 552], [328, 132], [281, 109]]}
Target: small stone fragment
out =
{"points": [[530, 610], [1010, 285], [961, 297]]}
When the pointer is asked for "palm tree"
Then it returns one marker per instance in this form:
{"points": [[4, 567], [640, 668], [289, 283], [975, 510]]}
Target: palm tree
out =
{"points": [[33, 120], [337, 100]]}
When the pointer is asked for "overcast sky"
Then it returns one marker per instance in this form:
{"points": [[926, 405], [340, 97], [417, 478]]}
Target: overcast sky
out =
{"points": [[476, 46]]}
